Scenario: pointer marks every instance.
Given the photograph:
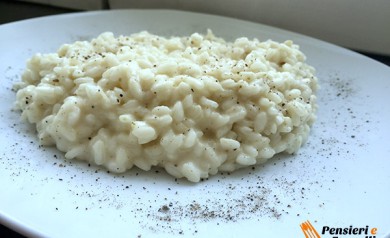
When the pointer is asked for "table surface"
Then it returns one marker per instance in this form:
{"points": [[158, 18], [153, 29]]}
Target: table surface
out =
{"points": [[14, 10]]}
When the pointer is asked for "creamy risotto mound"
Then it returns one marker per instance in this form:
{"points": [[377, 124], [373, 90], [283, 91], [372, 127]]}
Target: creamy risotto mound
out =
{"points": [[193, 105]]}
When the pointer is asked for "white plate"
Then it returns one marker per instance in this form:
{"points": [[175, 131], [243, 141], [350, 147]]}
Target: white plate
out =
{"points": [[339, 178]]}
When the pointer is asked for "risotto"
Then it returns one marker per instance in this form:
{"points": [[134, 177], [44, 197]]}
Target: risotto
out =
{"points": [[193, 105]]}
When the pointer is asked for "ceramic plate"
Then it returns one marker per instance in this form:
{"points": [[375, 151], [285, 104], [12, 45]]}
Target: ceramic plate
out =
{"points": [[340, 178]]}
